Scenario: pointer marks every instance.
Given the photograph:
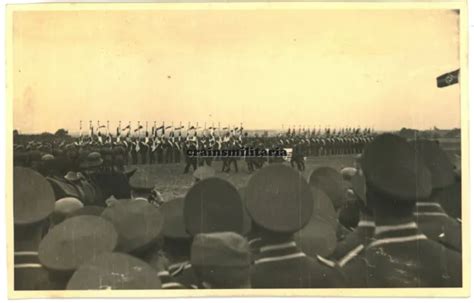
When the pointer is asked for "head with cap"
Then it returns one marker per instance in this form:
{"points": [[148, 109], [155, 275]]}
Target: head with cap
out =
{"points": [[33, 202], [177, 242], [279, 200], [114, 270], [331, 182], [213, 205], [64, 208], [389, 178], [141, 184], [138, 224], [221, 260], [430, 154], [73, 242], [318, 237], [92, 163]]}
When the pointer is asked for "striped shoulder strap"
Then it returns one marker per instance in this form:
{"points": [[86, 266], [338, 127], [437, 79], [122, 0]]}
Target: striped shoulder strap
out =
{"points": [[350, 255]]}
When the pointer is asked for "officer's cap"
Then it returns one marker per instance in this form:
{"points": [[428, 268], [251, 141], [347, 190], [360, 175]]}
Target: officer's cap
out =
{"points": [[213, 205], [430, 154], [138, 223], [318, 237], [114, 271], [94, 159], [389, 165], [331, 182], [173, 226], [67, 206], [33, 197], [75, 241], [279, 199], [221, 249], [142, 180]]}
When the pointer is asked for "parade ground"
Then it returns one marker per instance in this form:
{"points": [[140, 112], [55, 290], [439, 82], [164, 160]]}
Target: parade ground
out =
{"points": [[173, 183]]}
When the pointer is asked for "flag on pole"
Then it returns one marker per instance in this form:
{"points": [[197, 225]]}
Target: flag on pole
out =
{"points": [[448, 79]]}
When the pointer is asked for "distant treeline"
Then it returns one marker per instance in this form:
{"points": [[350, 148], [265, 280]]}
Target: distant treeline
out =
{"points": [[434, 133]]}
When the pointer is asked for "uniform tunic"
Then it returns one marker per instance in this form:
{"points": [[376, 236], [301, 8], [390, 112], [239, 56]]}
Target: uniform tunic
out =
{"points": [[354, 241], [437, 225], [283, 265], [402, 256], [30, 274]]}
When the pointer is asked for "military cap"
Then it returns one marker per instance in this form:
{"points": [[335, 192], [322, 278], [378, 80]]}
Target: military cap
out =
{"points": [[279, 199], [33, 197], [173, 226], [389, 165], [430, 154], [142, 180], [72, 176], [221, 249], [318, 237], [137, 222], [75, 241], [88, 210], [204, 172], [114, 271], [331, 182], [213, 205], [323, 207], [47, 157], [67, 206], [93, 159]]}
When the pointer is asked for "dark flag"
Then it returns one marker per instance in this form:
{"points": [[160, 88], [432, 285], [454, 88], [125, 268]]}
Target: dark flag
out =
{"points": [[448, 79]]}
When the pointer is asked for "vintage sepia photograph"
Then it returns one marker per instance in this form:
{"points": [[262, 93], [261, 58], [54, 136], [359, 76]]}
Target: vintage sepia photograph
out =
{"points": [[181, 149]]}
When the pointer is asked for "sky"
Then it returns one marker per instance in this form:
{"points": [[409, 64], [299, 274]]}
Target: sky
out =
{"points": [[263, 68]]}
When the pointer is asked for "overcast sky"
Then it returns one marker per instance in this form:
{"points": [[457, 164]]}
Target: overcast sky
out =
{"points": [[264, 68]]}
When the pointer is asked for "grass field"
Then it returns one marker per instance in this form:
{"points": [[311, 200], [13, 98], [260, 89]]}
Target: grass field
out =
{"points": [[173, 183]]}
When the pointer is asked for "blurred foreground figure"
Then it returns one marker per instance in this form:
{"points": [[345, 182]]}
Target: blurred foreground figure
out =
{"points": [[33, 203], [400, 254], [434, 222], [280, 203], [221, 260]]}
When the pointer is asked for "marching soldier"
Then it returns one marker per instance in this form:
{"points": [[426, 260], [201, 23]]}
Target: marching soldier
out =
{"points": [[280, 203], [190, 160]]}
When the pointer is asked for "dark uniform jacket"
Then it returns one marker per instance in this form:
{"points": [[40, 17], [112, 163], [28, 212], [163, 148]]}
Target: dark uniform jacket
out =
{"points": [[30, 274], [402, 256], [437, 225], [183, 273], [354, 241], [283, 265]]}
